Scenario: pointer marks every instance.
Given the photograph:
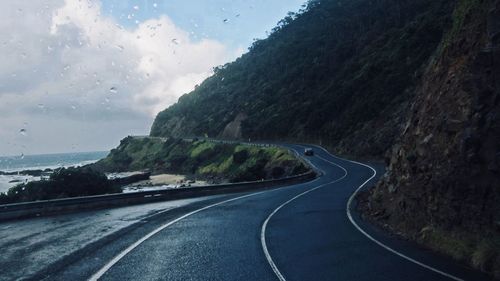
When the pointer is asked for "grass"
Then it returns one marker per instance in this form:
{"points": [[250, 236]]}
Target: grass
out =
{"points": [[464, 9], [482, 251], [202, 159], [200, 147]]}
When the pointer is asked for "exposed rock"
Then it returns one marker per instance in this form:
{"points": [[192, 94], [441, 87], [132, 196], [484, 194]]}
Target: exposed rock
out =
{"points": [[233, 129], [446, 164]]}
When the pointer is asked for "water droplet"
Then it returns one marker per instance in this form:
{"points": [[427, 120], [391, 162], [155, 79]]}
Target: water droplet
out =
{"points": [[136, 8], [73, 107], [22, 156], [120, 47], [23, 132], [98, 82], [225, 21], [113, 90], [175, 41]]}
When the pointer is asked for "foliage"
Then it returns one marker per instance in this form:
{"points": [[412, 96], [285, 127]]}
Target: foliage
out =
{"points": [[209, 160], [321, 74], [70, 182]]}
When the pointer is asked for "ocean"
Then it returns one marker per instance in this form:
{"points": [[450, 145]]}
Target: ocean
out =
{"points": [[41, 162]]}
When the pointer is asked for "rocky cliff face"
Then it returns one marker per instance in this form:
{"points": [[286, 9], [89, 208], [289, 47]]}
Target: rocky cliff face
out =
{"points": [[442, 187]]}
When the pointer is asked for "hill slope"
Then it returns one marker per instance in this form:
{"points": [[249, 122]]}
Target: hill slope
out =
{"points": [[329, 75], [443, 182], [205, 160]]}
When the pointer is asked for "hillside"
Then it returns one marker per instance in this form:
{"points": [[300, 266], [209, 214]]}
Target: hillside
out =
{"points": [[205, 160], [442, 187], [326, 75], [414, 82]]}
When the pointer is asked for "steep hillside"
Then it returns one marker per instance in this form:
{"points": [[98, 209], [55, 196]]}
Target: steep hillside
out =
{"points": [[329, 75], [443, 182], [205, 160]]}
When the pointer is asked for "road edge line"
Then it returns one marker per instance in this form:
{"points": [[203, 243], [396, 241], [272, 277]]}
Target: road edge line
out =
{"points": [[96, 276], [353, 222], [263, 242]]}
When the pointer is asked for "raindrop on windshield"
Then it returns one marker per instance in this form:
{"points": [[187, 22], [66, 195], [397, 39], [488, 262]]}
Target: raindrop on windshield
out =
{"points": [[136, 8], [113, 90], [21, 156], [175, 41], [120, 47], [23, 132], [225, 20]]}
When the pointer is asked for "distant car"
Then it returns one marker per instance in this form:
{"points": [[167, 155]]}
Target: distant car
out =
{"points": [[308, 152]]}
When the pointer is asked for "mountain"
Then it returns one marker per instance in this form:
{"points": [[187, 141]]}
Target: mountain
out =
{"points": [[328, 74], [413, 82]]}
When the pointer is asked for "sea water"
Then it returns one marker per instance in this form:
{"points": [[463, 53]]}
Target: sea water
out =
{"points": [[41, 162]]}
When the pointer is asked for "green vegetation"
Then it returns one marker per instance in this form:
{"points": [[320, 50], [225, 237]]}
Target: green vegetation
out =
{"points": [[321, 75], [481, 250], [202, 159], [462, 11], [70, 182]]}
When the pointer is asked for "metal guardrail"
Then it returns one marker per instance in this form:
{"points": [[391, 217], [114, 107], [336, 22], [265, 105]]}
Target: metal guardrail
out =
{"points": [[58, 206]]}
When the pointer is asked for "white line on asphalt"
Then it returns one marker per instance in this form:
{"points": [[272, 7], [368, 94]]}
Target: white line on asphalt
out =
{"points": [[349, 215], [123, 253], [130, 248], [264, 225]]}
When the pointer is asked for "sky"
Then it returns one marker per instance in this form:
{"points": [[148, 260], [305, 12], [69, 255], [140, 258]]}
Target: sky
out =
{"points": [[79, 75]]}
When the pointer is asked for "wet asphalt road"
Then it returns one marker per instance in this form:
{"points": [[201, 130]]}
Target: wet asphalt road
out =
{"points": [[310, 238]]}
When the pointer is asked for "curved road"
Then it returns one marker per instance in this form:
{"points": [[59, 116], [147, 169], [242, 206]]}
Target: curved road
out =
{"points": [[300, 232]]}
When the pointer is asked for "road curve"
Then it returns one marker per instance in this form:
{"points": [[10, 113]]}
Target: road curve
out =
{"points": [[299, 232]]}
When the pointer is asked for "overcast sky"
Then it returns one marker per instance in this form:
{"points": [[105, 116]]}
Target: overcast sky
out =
{"points": [[79, 75]]}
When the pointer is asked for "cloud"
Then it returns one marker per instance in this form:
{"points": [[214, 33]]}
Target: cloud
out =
{"points": [[82, 74]]}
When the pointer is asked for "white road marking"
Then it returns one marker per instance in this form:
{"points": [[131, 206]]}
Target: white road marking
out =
{"points": [[280, 276], [349, 215], [130, 248], [264, 225]]}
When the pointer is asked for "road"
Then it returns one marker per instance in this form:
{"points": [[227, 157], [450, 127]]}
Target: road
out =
{"points": [[299, 232]]}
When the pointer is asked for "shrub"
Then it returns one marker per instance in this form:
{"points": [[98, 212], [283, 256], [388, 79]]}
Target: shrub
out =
{"points": [[240, 157], [71, 182]]}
